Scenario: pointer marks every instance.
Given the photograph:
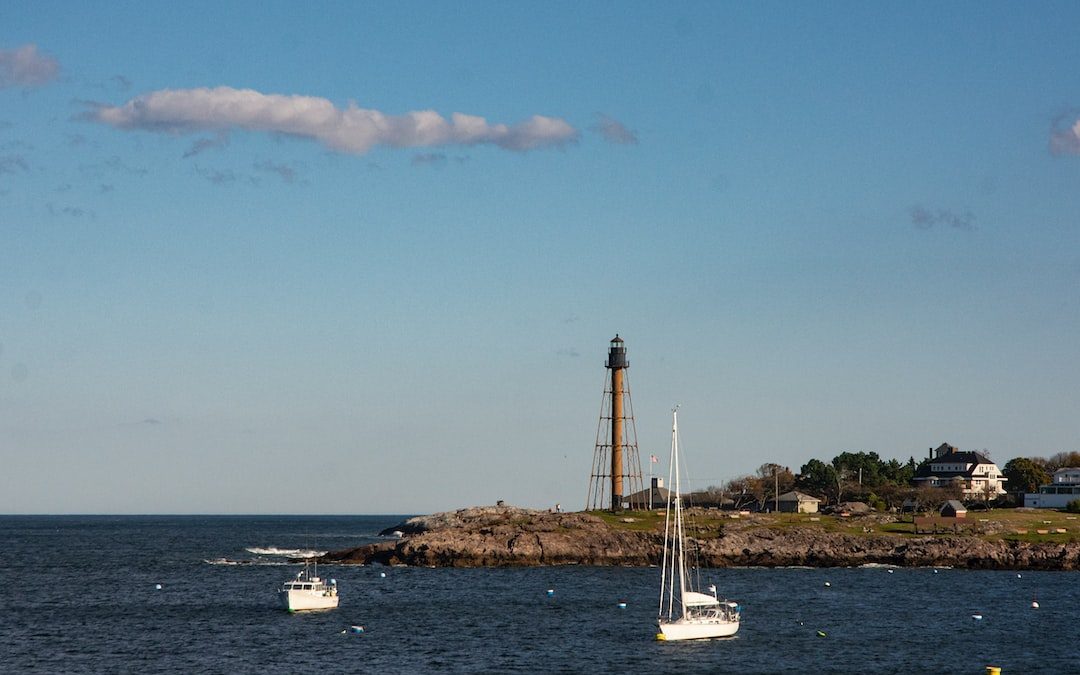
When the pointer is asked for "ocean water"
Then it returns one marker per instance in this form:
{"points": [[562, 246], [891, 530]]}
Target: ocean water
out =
{"points": [[78, 595]]}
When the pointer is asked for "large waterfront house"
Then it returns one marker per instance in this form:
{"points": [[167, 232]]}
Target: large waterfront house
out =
{"points": [[1063, 488], [973, 472]]}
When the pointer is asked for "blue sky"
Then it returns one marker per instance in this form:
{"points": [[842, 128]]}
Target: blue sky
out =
{"points": [[252, 262]]}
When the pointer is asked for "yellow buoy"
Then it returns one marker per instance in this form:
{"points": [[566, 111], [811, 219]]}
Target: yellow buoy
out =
{"points": [[661, 636], [993, 670]]}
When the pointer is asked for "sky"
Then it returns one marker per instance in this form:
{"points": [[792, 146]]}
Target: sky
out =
{"points": [[275, 257]]}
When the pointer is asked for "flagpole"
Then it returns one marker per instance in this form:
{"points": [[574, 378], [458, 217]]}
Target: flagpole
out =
{"points": [[650, 482]]}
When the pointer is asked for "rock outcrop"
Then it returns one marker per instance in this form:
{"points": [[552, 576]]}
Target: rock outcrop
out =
{"points": [[505, 536]]}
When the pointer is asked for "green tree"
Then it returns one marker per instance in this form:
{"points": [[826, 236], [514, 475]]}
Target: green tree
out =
{"points": [[865, 468], [820, 478], [898, 474], [1024, 475]]}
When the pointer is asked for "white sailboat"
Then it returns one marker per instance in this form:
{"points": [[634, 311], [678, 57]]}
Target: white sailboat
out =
{"points": [[685, 613]]}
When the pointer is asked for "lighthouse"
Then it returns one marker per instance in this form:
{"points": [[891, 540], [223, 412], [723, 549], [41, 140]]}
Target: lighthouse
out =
{"points": [[617, 364], [616, 466]]}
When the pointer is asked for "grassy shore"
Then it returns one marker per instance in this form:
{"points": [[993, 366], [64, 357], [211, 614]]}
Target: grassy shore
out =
{"points": [[1027, 525]]}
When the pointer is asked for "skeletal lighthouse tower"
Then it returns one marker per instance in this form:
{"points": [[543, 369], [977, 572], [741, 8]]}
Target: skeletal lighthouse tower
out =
{"points": [[616, 465]]}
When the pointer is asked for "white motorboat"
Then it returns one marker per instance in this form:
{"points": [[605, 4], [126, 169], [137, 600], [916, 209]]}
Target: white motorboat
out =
{"points": [[308, 591], [685, 613]]}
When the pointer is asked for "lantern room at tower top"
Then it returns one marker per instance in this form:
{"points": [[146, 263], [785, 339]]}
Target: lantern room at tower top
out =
{"points": [[617, 354]]}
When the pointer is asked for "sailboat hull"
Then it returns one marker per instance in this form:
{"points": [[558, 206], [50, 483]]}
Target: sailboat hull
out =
{"points": [[696, 630]]}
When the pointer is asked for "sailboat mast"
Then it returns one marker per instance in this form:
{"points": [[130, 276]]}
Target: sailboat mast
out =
{"points": [[667, 570], [678, 509]]}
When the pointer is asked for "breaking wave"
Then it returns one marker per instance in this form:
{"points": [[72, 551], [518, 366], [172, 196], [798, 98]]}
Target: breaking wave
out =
{"points": [[286, 552], [229, 561]]}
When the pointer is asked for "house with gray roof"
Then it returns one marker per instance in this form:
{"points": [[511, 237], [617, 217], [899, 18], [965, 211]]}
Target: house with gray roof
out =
{"points": [[797, 502], [953, 509]]}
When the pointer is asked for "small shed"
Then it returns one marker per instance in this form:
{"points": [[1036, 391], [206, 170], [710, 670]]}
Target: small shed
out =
{"points": [[910, 505], [797, 502], [953, 509]]}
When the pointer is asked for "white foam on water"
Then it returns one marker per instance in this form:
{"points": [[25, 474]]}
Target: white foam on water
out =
{"points": [[227, 561], [286, 552]]}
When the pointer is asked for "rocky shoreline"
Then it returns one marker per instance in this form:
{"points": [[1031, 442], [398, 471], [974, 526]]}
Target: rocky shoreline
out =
{"points": [[505, 536]]}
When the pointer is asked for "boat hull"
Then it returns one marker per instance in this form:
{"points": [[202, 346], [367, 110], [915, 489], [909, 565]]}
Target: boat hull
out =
{"points": [[696, 630], [297, 601]]}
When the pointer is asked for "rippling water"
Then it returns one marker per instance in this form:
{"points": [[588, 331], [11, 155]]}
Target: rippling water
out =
{"points": [[79, 596]]}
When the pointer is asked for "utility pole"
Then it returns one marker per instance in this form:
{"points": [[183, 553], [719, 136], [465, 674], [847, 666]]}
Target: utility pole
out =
{"points": [[776, 489]]}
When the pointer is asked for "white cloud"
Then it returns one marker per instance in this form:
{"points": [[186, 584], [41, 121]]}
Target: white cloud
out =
{"points": [[1065, 140], [352, 129], [25, 67]]}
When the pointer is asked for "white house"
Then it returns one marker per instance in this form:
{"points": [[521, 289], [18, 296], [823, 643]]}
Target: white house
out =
{"points": [[973, 472], [1063, 488]]}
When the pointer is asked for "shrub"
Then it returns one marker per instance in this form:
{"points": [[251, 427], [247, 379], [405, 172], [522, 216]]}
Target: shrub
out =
{"points": [[1073, 506]]}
